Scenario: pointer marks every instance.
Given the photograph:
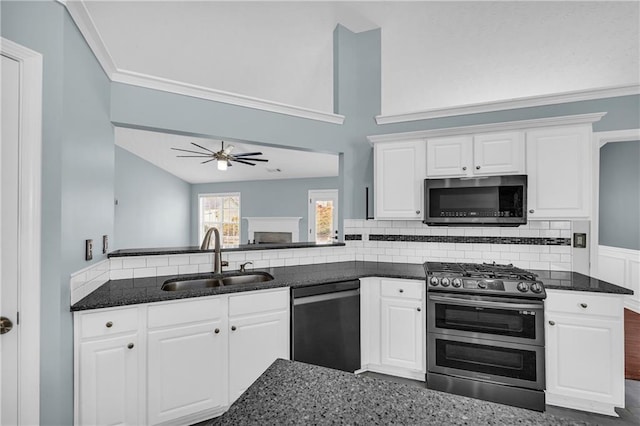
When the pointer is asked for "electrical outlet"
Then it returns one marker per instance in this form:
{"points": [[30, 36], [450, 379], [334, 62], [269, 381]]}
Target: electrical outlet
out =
{"points": [[88, 249], [105, 244]]}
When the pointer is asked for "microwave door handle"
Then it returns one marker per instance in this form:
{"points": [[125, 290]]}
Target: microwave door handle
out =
{"points": [[484, 304]]}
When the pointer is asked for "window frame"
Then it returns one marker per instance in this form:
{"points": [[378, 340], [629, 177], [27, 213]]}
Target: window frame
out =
{"points": [[201, 215]]}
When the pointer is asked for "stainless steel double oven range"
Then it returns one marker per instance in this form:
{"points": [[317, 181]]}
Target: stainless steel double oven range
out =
{"points": [[485, 333]]}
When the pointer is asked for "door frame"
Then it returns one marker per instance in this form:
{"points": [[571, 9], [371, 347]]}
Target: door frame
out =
{"points": [[311, 227], [29, 238]]}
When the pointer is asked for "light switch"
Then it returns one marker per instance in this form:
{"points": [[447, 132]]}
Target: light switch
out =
{"points": [[88, 249], [105, 244]]}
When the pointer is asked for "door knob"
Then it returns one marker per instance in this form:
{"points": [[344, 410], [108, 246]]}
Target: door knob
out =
{"points": [[5, 325]]}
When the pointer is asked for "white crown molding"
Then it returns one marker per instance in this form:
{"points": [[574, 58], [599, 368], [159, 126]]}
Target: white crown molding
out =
{"points": [[565, 120], [532, 101], [89, 31], [627, 135], [172, 86], [80, 15]]}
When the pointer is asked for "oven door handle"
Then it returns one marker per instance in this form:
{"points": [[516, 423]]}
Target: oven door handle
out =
{"points": [[484, 303]]}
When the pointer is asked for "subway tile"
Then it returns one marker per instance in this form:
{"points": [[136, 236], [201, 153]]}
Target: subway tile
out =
{"points": [[195, 259], [178, 260], [121, 274], [134, 262], [167, 270], [564, 224], [144, 272], [187, 269]]}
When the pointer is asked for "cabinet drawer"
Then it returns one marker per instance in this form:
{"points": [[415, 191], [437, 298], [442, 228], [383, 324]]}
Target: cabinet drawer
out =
{"points": [[194, 310], [401, 288], [105, 323], [578, 302], [261, 301]]}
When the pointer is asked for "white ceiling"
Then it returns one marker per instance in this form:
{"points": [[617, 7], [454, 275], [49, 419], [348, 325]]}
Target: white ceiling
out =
{"points": [[434, 54], [156, 147]]}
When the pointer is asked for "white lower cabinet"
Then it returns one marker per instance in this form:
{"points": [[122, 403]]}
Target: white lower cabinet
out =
{"points": [[393, 326], [186, 359], [176, 362], [258, 335], [109, 378], [584, 351]]}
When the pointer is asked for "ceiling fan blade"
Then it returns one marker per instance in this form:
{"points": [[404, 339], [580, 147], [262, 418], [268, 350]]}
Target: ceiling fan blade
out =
{"points": [[242, 161], [202, 147], [187, 150], [254, 159], [194, 156], [228, 149], [244, 154], [208, 161]]}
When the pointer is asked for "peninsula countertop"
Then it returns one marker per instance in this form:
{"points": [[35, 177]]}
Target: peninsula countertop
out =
{"points": [[291, 392], [133, 291]]}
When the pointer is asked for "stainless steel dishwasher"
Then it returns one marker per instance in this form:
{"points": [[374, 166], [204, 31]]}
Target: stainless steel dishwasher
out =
{"points": [[325, 325]]}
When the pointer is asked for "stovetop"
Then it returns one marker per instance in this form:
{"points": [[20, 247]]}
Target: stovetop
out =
{"points": [[483, 278]]}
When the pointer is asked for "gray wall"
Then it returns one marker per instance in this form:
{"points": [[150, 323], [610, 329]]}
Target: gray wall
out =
{"points": [[265, 198], [620, 195], [77, 179], [154, 206]]}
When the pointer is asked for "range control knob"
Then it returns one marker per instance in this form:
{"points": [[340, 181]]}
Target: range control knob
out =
{"points": [[457, 282], [434, 281], [523, 287], [536, 288], [482, 284], [445, 282]]}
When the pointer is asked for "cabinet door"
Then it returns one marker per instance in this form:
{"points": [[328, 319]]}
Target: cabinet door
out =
{"points": [[398, 176], [108, 380], [186, 371], [401, 333], [450, 156], [498, 153], [559, 169], [254, 343], [584, 361]]}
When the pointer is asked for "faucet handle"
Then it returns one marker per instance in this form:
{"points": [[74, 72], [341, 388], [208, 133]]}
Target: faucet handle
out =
{"points": [[244, 265]]}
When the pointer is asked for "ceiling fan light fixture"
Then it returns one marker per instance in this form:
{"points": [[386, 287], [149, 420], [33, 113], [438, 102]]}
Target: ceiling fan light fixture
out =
{"points": [[222, 165]]}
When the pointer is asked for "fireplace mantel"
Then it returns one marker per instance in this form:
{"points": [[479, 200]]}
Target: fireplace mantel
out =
{"points": [[274, 224]]}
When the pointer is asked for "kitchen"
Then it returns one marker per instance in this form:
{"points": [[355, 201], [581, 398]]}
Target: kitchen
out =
{"points": [[81, 103]]}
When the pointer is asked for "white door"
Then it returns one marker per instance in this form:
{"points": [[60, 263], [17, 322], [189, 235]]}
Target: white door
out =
{"points": [[323, 216], [9, 237], [498, 153], [449, 156], [254, 343], [401, 333]]}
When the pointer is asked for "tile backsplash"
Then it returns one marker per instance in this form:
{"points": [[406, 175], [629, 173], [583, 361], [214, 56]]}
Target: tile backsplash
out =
{"points": [[542, 245]]}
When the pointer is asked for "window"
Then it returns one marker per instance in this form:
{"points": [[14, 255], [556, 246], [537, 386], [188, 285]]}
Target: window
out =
{"points": [[223, 212]]}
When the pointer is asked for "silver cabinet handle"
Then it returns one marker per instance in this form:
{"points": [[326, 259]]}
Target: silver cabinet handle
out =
{"points": [[109, 324], [401, 291], [233, 328], [418, 309], [583, 305], [417, 211], [552, 323], [477, 167], [217, 330], [531, 211], [130, 346], [464, 168]]}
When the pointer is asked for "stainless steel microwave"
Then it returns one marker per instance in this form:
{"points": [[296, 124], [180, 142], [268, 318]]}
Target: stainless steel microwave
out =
{"points": [[482, 201]]}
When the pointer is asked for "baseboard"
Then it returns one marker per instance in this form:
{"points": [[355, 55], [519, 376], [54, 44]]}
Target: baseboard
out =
{"points": [[393, 371], [196, 418], [581, 404]]}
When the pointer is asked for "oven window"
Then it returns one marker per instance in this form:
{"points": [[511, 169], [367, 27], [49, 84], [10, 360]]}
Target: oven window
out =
{"points": [[491, 360], [504, 322]]}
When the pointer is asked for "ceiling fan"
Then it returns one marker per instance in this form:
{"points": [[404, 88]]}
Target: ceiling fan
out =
{"points": [[224, 157]]}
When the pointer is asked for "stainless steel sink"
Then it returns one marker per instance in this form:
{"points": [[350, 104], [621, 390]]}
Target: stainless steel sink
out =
{"points": [[217, 281]]}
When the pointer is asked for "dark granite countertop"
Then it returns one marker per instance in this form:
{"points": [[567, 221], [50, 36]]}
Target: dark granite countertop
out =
{"points": [[156, 251], [574, 281], [290, 392], [145, 290]]}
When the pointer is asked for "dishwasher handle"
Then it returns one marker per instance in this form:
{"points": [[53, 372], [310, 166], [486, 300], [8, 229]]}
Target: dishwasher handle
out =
{"points": [[323, 297]]}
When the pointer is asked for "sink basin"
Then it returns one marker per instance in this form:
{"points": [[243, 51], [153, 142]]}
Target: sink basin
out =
{"points": [[198, 283]]}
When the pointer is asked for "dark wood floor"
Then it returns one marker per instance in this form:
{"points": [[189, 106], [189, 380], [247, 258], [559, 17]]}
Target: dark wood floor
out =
{"points": [[631, 345]]}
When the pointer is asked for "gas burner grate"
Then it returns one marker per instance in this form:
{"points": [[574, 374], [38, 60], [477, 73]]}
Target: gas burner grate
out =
{"points": [[484, 270]]}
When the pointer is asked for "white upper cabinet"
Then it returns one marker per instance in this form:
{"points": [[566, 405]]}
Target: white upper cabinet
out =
{"points": [[399, 170], [559, 169], [476, 155]]}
